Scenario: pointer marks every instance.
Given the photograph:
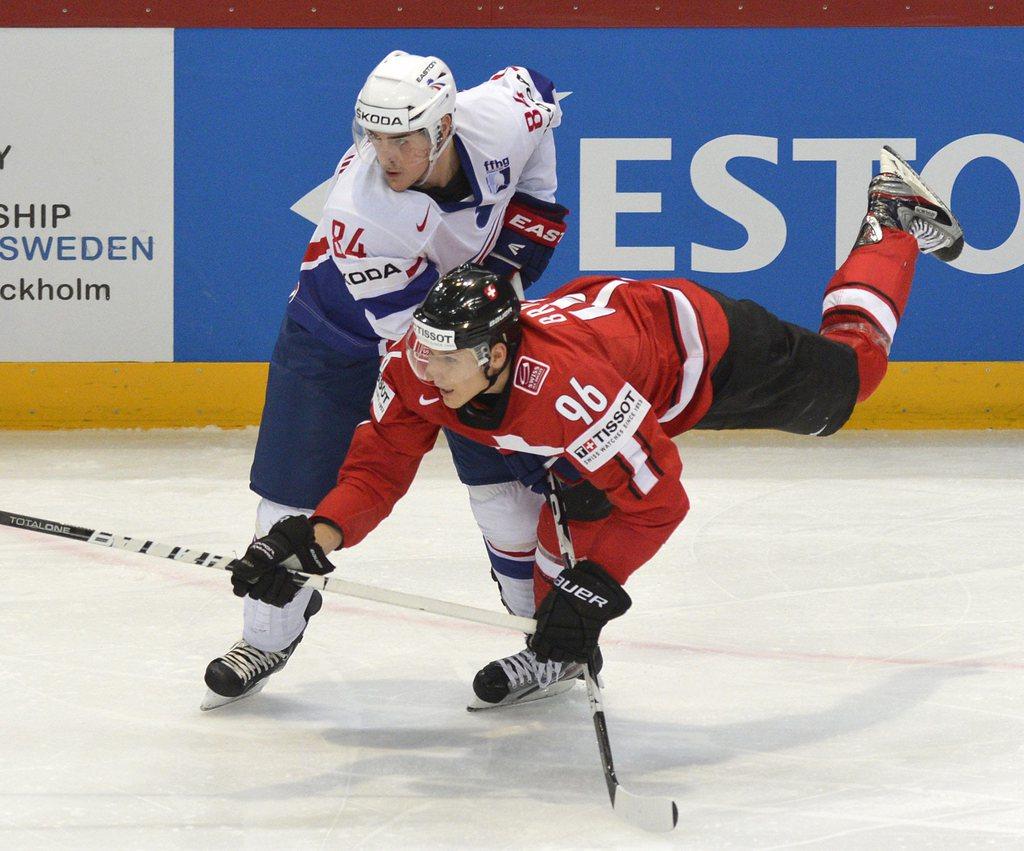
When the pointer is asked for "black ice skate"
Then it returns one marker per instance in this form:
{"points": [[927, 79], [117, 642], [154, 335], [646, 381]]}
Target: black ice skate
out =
{"points": [[898, 198], [521, 679], [244, 670]]}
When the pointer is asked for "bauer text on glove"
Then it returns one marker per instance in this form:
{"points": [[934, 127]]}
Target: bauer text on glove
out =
{"points": [[571, 616]]}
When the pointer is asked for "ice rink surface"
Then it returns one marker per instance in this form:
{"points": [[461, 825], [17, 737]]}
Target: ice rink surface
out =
{"points": [[827, 654]]}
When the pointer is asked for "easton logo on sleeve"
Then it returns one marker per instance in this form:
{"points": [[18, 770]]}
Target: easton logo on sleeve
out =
{"points": [[604, 439]]}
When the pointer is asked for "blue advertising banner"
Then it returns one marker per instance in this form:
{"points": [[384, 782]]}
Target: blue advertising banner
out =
{"points": [[738, 158]]}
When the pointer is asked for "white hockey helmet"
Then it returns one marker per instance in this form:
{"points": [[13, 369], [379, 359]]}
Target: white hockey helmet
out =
{"points": [[405, 93]]}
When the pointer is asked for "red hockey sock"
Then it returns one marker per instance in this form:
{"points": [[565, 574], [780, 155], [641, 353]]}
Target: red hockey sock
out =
{"points": [[542, 583], [865, 300]]}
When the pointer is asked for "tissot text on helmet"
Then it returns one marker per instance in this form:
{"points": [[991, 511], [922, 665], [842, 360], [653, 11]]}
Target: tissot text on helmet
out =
{"points": [[443, 340]]}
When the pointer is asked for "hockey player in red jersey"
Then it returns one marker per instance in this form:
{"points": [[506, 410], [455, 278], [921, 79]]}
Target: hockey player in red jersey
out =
{"points": [[594, 381]]}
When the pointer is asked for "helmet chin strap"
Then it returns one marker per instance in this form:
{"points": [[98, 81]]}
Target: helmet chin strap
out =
{"points": [[491, 379], [510, 356], [434, 157]]}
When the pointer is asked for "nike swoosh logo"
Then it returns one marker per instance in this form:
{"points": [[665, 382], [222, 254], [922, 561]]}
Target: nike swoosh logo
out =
{"points": [[423, 224], [425, 401]]}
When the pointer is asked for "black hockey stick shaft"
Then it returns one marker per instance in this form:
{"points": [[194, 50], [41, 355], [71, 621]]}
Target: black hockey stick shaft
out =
{"points": [[656, 814], [118, 542], [568, 553], [331, 583]]}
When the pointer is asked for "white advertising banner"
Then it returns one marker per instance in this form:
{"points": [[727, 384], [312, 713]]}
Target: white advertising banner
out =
{"points": [[87, 195]]}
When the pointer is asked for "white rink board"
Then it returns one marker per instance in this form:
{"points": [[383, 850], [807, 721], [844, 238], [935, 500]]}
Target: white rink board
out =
{"points": [[828, 654], [88, 117]]}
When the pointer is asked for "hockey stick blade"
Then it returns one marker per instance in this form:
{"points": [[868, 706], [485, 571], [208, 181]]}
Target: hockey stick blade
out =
{"points": [[657, 815]]}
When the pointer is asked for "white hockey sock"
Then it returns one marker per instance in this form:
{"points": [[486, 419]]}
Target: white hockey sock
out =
{"points": [[268, 627]]}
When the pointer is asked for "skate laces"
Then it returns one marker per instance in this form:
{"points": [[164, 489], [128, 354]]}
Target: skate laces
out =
{"points": [[248, 662], [524, 667], [547, 672]]}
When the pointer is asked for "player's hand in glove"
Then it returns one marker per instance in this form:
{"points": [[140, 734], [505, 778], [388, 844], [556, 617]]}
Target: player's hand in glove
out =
{"points": [[571, 616], [264, 575], [529, 235]]}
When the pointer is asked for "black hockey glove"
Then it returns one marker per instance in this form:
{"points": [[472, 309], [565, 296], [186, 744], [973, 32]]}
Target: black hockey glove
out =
{"points": [[571, 616], [264, 574], [527, 239]]}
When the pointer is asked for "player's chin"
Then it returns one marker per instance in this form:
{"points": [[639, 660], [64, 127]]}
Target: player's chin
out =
{"points": [[451, 398], [399, 181]]}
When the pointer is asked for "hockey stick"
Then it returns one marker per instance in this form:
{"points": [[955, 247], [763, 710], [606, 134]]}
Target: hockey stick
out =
{"points": [[654, 814], [333, 584]]}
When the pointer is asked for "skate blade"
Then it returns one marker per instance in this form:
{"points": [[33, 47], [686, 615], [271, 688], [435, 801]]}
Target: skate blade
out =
{"points": [[552, 690], [212, 700]]}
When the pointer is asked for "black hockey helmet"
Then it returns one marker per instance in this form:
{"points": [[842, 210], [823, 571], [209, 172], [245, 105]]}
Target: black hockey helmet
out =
{"points": [[469, 308], [465, 314]]}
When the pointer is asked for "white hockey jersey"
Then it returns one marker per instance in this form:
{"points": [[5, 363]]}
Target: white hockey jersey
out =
{"points": [[376, 252]]}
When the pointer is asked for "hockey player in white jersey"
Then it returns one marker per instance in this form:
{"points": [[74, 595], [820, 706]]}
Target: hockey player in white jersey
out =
{"points": [[435, 178]]}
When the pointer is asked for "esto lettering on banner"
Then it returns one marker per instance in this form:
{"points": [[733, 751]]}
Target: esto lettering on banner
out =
{"points": [[856, 160]]}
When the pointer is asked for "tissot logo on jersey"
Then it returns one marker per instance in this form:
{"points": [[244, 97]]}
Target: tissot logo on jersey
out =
{"points": [[604, 439], [382, 398]]}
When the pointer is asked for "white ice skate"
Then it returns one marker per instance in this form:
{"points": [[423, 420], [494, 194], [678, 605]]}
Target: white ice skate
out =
{"points": [[898, 198]]}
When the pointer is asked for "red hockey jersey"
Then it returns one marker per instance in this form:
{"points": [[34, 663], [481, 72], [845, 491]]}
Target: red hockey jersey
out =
{"points": [[607, 372]]}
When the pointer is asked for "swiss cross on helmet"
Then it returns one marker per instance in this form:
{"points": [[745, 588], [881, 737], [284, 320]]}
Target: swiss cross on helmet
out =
{"points": [[469, 308], [406, 93]]}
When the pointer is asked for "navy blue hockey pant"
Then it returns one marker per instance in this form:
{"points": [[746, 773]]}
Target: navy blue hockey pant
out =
{"points": [[316, 397]]}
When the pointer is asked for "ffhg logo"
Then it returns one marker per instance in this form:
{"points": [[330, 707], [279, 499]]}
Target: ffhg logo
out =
{"points": [[499, 174]]}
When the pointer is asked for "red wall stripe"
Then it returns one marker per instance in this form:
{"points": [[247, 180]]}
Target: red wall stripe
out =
{"points": [[511, 13]]}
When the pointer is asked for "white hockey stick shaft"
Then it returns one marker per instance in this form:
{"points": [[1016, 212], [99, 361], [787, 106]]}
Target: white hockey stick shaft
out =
{"points": [[331, 584]]}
